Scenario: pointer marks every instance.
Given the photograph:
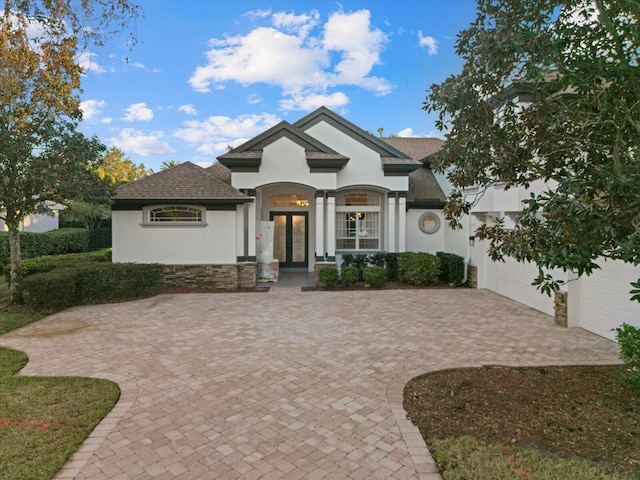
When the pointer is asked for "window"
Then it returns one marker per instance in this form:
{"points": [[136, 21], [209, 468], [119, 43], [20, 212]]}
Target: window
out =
{"points": [[358, 221], [174, 215], [429, 222], [288, 200]]}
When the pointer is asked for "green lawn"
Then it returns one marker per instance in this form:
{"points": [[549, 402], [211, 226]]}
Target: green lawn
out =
{"points": [[43, 420]]}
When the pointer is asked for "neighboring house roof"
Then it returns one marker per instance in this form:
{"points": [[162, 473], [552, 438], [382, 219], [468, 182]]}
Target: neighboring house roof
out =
{"points": [[185, 182], [424, 189], [248, 156]]}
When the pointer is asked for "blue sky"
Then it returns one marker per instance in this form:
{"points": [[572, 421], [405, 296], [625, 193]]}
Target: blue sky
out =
{"points": [[210, 73]]}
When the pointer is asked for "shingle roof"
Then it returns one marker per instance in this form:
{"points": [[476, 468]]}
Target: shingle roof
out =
{"points": [[424, 189], [416, 148], [220, 171], [185, 181]]}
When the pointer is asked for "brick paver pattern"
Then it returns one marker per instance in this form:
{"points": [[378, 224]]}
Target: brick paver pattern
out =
{"points": [[285, 384]]}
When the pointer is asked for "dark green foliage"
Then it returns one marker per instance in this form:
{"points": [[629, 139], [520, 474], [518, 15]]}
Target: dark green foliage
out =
{"points": [[349, 275], [391, 265], [51, 262], [359, 261], [90, 283], [451, 268], [328, 277], [374, 277], [421, 269], [64, 240], [578, 64], [628, 337]]}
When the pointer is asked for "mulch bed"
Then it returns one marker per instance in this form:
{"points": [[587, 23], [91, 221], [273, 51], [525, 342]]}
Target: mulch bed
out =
{"points": [[585, 412]]}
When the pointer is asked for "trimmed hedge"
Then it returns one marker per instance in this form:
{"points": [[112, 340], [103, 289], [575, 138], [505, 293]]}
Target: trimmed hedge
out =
{"points": [[451, 268], [328, 277], [51, 262], [55, 242], [374, 277], [349, 275], [418, 268], [90, 283]]}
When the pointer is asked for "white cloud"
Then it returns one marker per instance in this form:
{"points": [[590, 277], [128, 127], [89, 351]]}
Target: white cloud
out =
{"points": [[88, 62], [252, 99], [351, 34], [407, 132], [216, 132], [298, 24], [141, 66], [287, 55], [92, 108], [429, 42], [142, 143], [138, 112], [188, 109], [313, 101], [258, 13]]}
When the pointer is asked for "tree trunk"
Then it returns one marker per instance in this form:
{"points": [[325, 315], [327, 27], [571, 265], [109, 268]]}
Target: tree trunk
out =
{"points": [[14, 247]]}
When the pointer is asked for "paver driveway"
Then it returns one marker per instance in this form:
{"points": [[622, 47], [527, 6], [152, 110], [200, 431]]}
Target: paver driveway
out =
{"points": [[285, 384]]}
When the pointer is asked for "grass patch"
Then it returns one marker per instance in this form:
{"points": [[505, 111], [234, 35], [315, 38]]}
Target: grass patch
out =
{"points": [[465, 458], [43, 420]]}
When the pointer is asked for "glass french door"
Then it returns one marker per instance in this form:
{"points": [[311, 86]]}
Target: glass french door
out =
{"points": [[290, 239]]}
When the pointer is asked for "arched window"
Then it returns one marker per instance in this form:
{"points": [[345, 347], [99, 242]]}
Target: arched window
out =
{"points": [[174, 215], [358, 221]]}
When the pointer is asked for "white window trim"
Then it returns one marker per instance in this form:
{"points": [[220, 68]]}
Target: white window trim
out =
{"points": [[146, 217], [379, 209]]}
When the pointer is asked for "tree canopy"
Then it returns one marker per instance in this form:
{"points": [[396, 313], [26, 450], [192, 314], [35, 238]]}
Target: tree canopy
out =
{"points": [[576, 127], [41, 154], [119, 169]]}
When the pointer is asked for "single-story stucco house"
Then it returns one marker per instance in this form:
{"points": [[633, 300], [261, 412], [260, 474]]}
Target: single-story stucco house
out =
{"points": [[331, 188], [39, 222]]}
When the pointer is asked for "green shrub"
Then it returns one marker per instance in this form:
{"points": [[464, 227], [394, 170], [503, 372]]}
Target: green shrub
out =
{"points": [[358, 260], [51, 262], [328, 277], [391, 266], [349, 275], [628, 338], [451, 268], [419, 269], [374, 277], [90, 283], [64, 240]]}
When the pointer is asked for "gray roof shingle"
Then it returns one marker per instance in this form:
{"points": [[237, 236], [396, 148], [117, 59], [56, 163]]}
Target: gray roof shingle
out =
{"points": [[185, 181]]}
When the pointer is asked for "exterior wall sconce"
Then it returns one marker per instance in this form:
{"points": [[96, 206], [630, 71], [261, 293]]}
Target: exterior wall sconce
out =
{"points": [[472, 241]]}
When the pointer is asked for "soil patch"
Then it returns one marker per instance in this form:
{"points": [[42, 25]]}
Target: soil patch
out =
{"points": [[585, 412]]}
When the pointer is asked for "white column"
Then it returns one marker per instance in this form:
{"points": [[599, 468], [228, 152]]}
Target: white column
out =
{"points": [[391, 223], [331, 227], [402, 224], [240, 232], [251, 229], [320, 226]]}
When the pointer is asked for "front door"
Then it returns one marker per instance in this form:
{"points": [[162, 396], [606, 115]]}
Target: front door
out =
{"points": [[290, 239]]}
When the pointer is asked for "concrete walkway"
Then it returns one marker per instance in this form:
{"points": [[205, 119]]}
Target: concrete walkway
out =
{"points": [[285, 384]]}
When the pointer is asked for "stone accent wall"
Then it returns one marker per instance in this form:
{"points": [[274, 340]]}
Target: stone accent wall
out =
{"points": [[472, 276], [222, 277], [247, 274], [317, 267], [560, 302]]}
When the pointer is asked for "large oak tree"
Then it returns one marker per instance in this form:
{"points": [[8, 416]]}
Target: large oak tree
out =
{"points": [[41, 154], [579, 62]]}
